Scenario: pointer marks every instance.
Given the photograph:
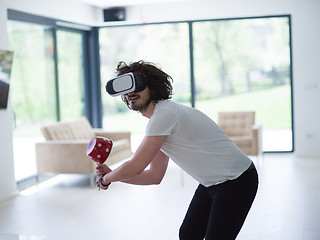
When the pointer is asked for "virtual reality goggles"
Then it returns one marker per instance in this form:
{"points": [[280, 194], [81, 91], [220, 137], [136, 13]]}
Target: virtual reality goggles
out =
{"points": [[126, 83]]}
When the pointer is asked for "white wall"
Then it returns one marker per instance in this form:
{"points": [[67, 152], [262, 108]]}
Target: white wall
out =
{"points": [[60, 9], [7, 182], [305, 42]]}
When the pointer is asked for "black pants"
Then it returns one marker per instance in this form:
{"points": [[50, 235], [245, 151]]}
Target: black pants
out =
{"points": [[219, 211]]}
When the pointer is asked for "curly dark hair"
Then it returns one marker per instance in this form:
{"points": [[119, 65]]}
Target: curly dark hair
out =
{"points": [[158, 81]]}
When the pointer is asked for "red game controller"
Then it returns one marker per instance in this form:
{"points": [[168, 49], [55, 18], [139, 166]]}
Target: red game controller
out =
{"points": [[99, 149]]}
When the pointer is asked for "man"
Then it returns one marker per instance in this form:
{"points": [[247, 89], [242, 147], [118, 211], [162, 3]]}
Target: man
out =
{"points": [[227, 178]]}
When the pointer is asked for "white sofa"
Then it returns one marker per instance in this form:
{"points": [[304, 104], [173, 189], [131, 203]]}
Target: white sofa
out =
{"points": [[64, 148]]}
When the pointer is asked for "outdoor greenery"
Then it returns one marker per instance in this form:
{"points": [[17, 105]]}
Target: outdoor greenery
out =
{"points": [[33, 83], [166, 45], [274, 101], [71, 74], [240, 56], [32, 80], [239, 65], [272, 106]]}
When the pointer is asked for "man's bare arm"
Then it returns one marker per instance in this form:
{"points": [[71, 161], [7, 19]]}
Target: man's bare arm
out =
{"points": [[148, 151]]}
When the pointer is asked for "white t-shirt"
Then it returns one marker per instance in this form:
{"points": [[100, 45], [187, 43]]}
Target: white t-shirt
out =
{"points": [[196, 143]]}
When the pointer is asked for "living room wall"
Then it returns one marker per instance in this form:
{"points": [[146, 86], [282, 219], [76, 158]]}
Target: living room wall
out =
{"points": [[7, 183]]}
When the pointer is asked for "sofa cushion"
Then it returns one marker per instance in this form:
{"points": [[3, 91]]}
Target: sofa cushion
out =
{"points": [[120, 145], [242, 141], [81, 129], [73, 130], [58, 131], [237, 123]]}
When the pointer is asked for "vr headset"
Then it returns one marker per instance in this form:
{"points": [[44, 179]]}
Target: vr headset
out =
{"points": [[126, 83]]}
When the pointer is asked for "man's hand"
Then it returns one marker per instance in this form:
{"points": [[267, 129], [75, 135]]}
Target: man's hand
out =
{"points": [[102, 170]]}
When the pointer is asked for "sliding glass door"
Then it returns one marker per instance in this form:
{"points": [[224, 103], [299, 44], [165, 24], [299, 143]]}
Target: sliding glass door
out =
{"points": [[244, 65], [236, 65], [166, 45], [32, 90], [70, 74], [218, 65], [46, 85]]}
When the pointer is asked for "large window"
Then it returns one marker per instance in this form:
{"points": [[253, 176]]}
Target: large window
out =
{"points": [[244, 65], [70, 74], [236, 65], [47, 84], [32, 89], [167, 45], [217, 65]]}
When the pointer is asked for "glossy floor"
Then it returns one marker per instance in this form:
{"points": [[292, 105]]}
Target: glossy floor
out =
{"points": [[287, 206], [20, 237]]}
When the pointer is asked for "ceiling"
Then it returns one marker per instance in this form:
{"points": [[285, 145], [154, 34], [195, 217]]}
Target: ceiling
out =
{"points": [[124, 3]]}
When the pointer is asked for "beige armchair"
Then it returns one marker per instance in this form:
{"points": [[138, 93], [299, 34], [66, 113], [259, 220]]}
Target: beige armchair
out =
{"points": [[64, 148], [241, 128]]}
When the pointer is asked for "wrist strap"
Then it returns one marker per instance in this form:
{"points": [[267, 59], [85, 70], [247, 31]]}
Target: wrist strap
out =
{"points": [[101, 183]]}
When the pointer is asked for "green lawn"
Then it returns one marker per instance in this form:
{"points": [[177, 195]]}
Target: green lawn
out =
{"points": [[272, 107]]}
